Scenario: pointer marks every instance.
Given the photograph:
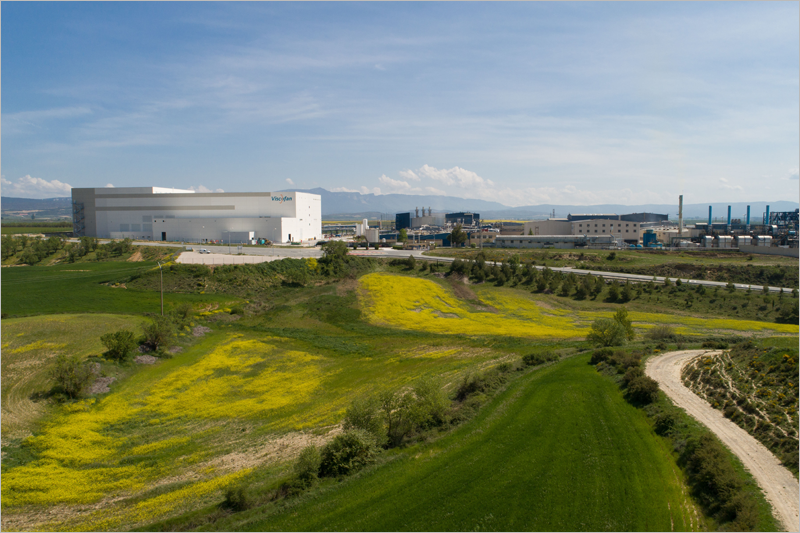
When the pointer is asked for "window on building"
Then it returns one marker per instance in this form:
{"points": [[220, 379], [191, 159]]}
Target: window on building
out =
{"points": [[626, 231], [626, 225], [634, 225]]}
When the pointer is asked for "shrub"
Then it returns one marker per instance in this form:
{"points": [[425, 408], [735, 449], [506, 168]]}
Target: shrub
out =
{"points": [[237, 499], [364, 414], [661, 332], [307, 466], [119, 345], [621, 318], [159, 332], [429, 405], [347, 453], [478, 383], [631, 374], [643, 390], [665, 423], [607, 332], [601, 355], [72, 376], [533, 359]]}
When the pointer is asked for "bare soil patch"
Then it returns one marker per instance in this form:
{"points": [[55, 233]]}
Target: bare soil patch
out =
{"points": [[100, 385], [145, 360], [137, 256], [199, 331], [175, 349]]}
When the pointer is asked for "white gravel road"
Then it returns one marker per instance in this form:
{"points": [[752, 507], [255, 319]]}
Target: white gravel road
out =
{"points": [[779, 485]]}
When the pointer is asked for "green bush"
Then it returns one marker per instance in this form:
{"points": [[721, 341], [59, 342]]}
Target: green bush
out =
{"points": [[237, 499], [364, 414], [120, 345], [307, 466], [159, 332], [662, 332], [601, 355], [347, 453], [473, 384], [607, 332], [72, 376], [429, 404], [533, 359], [643, 390]]}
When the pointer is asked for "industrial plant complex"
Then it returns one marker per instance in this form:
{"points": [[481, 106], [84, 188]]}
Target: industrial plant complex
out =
{"points": [[165, 214]]}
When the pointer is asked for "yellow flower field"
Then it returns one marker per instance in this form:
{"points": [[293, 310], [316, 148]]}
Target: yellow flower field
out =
{"points": [[83, 458], [419, 304]]}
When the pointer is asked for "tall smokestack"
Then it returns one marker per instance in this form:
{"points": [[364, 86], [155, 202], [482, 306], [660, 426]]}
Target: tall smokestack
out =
{"points": [[748, 219], [709, 218], [729, 217], [416, 212], [680, 216], [766, 220]]}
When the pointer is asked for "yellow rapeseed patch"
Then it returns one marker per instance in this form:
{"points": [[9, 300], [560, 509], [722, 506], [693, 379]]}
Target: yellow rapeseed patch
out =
{"points": [[419, 304], [82, 458]]}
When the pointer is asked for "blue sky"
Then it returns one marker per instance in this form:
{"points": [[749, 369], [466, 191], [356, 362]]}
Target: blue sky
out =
{"points": [[521, 103]]}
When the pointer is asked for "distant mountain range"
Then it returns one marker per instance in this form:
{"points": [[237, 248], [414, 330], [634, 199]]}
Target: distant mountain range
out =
{"points": [[354, 205]]}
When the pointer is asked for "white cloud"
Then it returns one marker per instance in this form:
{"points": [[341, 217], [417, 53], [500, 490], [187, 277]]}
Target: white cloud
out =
{"points": [[409, 175], [395, 185], [203, 188], [345, 189], [30, 187], [454, 176], [794, 173], [289, 181], [109, 186], [723, 180]]}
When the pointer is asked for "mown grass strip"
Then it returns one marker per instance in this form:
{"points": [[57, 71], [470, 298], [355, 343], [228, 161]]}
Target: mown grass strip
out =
{"points": [[558, 450]]}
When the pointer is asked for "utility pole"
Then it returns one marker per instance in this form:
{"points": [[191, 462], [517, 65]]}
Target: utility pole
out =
{"points": [[161, 274]]}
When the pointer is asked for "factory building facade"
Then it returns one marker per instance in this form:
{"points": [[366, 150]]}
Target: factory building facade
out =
{"points": [[164, 214]]}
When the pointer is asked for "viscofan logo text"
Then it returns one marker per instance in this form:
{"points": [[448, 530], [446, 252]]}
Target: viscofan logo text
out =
{"points": [[281, 199]]}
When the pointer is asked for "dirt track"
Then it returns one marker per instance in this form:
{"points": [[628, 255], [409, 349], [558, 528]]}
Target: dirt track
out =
{"points": [[779, 485]]}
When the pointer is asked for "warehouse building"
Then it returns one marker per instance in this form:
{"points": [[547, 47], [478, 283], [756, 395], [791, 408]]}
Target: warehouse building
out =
{"points": [[556, 241], [164, 214]]}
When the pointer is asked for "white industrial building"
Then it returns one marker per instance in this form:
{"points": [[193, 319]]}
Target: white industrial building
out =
{"points": [[624, 230], [164, 214]]}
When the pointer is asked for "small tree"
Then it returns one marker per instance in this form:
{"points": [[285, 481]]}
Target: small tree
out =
{"points": [[119, 345], [643, 389], [307, 466], [627, 292], [71, 375], [348, 452], [403, 235], [411, 263], [606, 332], [159, 332], [621, 318], [364, 414], [457, 236], [613, 291]]}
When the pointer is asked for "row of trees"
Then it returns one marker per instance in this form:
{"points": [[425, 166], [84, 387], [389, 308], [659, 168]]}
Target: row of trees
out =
{"points": [[35, 249]]}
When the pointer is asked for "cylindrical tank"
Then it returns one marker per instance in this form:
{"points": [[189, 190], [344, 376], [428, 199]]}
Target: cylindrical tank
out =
{"points": [[729, 215], [366, 225], [709, 218]]}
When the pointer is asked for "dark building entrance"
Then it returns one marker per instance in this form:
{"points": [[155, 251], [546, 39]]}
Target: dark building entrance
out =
{"points": [[163, 235]]}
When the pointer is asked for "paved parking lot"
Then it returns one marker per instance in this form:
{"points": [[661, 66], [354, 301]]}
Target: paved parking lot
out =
{"points": [[196, 258]]}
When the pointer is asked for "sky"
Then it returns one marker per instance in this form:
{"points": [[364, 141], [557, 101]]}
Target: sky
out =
{"points": [[522, 103]]}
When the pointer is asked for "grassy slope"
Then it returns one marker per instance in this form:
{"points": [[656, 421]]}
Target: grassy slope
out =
{"points": [[558, 450], [78, 288], [29, 349]]}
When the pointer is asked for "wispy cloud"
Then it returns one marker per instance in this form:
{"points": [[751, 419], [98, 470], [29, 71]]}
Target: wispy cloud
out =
{"points": [[202, 188]]}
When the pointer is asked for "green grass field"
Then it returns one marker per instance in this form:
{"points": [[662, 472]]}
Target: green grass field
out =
{"points": [[558, 451], [79, 288]]}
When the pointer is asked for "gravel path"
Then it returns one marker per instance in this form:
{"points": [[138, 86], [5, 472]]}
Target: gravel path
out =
{"points": [[779, 485]]}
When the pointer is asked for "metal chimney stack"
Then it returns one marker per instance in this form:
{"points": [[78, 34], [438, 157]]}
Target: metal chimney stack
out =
{"points": [[766, 219], [748, 219], [680, 216], [416, 212], [729, 218], [709, 219]]}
